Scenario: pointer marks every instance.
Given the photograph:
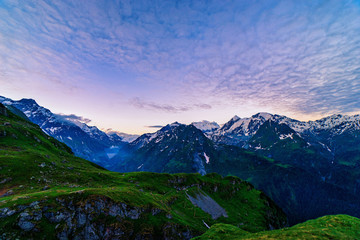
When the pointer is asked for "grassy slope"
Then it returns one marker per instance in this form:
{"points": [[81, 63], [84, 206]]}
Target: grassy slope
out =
{"points": [[328, 227], [30, 160]]}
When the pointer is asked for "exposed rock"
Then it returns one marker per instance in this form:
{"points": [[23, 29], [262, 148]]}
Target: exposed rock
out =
{"points": [[208, 205], [6, 212], [25, 221]]}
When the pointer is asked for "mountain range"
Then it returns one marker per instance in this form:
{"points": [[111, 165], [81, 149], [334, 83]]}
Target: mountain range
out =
{"points": [[309, 169], [85, 141], [47, 192]]}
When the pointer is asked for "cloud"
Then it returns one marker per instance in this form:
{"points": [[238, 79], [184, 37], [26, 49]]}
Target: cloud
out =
{"points": [[139, 103], [155, 126], [299, 56], [73, 117]]}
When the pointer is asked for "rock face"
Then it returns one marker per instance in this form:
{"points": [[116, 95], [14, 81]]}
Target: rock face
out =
{"points": [[95, 218], [208, 205]]}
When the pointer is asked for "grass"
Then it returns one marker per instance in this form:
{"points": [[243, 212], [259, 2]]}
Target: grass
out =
{"points": [[327, 227]]}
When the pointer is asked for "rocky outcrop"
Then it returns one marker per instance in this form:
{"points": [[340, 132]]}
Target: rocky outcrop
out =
{"points": [[94, 218], [208, 205]]}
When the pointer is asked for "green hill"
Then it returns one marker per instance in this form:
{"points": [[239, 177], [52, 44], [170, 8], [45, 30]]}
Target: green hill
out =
{"points": [[328, 227], [47, 193]]}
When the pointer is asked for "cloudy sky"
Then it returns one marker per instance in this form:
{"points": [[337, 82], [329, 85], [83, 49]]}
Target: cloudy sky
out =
{"points": [[129, 64]]}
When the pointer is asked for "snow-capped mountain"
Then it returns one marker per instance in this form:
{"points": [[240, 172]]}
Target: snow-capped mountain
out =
{"points": [[154, 137], [174, 148], [206, 126], [238, 131], [86, 141]]}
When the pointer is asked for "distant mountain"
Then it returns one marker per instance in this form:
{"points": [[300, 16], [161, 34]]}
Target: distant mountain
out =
{"points": [[86, 141], [295, 181], [174, 148], [238, 131]]}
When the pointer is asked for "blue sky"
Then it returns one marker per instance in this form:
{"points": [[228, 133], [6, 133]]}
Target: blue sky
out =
{"points": [[130, 64]]}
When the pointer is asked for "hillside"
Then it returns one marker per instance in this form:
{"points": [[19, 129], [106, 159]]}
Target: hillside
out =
{"points": [[47, 193], [328, 227]]}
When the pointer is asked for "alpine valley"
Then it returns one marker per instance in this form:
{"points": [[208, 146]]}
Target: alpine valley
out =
{"points": [[63, 179]]}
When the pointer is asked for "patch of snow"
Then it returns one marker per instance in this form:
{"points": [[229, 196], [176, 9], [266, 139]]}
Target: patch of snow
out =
{"points": [[206, 126], [259, 148], [325, 146], [52, 130], [6, 102], [175, 124], [206, 158], [285, 136], [154, 135], [263, 115]]}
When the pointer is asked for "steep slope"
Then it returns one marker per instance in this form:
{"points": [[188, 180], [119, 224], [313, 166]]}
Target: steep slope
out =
{"points": [[47, 193], [237, 131], [282, 143], [86, 141], [328, 227]]}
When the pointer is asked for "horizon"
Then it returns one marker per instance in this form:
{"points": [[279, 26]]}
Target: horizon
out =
{"points": [[73, 117], [131, 65]]}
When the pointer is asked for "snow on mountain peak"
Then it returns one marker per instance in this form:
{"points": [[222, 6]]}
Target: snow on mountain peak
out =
{"points": [[264, 115], [234, 118], [174, 124], [206, 126]]}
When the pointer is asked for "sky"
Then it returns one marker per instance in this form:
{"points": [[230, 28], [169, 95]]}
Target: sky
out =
{"points": [[132, 65]]}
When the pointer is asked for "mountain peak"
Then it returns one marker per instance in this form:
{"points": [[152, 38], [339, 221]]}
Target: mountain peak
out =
{"points": [[235, 118], [264, 115], [28, 101], [175, 124]]}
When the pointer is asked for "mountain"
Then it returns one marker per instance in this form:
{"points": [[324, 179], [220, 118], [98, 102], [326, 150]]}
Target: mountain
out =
{"points": [[86, 141], [282, 143], [328, 227], [238, 131], [174, 148], [48, 193], [328, 147], [292, 177], [206, 126]]}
